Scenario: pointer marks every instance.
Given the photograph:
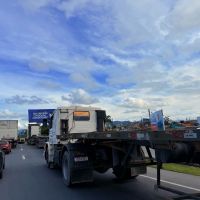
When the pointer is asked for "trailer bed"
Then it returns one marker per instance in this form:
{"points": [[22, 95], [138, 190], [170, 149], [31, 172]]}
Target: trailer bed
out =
{"points": [[145, 136]]}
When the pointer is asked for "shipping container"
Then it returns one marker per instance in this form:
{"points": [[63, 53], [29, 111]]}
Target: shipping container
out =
{"points": [[8, 129]]}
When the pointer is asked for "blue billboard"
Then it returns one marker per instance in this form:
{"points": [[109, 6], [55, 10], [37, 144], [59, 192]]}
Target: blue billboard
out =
{"points": [[38, 115]]}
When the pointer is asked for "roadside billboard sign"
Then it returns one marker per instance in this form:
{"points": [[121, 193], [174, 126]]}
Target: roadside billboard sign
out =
{"points": [[38, 115], [157, 121]]}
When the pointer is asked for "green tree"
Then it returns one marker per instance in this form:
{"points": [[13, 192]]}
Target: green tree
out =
{"points": [[44, 130], [108, 119]]}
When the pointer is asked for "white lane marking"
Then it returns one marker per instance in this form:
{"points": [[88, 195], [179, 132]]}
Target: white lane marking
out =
{"points": [[22, 149], [179, 185], [23, 157]]}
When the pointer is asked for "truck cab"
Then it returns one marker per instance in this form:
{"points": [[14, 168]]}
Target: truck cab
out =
{"points": [[72, 120]]}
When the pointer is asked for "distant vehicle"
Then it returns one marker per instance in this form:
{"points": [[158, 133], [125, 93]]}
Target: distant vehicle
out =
{"points": [[33, 129], [21, 140], [12, 141], [33, 133], [32, 140], [41, 140], [5, 146], [2, 163], [8, 129], [22, 135]]}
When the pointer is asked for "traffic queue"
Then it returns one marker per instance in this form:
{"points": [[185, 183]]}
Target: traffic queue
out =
{"points": [[6, 146]]}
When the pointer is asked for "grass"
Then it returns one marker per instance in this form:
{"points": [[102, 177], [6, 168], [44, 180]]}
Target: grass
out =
{"points": [[182, 169]]}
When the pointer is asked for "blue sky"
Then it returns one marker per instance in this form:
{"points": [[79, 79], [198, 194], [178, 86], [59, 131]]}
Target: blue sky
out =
{"points": [[123, 56]]}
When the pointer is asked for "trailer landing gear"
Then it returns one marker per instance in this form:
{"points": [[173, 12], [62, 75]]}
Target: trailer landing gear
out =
{"points": [[181, 195]]}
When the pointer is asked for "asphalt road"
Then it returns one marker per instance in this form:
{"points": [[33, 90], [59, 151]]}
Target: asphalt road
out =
{"points": [[26, 177]]}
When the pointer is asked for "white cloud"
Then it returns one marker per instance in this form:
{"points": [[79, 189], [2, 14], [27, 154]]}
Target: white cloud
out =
{"points": [[30, 100], [49, 85], [84, 79], [35, 5], [39, 65], [138, 103], [71, 7], [147, 49], [184, 16], [6, 113], [80, 96]]}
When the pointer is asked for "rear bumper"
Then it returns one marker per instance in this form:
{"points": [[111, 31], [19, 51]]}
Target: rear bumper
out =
{"points": [[6, 150]]}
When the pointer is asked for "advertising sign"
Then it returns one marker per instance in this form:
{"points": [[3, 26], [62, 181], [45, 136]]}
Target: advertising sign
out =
{"points": [[157, 121], [38, 115]]}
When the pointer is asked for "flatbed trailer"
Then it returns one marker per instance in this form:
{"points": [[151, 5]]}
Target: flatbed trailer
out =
{"points": [[79, 153], [164, 142]]}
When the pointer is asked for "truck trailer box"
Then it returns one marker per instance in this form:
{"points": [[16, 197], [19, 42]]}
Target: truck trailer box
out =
{"points": [[33, 129], [8, 129]]}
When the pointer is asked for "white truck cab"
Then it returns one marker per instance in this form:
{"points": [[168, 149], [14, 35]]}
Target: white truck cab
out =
{"points": [[76, 119]]}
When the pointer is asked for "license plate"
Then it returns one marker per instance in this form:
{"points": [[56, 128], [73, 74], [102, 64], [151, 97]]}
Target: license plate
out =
{"points": [[81, 159], [190, 135]]}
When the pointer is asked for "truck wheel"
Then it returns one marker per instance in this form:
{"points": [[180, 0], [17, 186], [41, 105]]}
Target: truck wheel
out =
{"points": [[1, 174], [66, 172]]}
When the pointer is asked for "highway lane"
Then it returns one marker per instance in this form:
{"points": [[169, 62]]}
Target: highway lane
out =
{"points": [[27, 178]]}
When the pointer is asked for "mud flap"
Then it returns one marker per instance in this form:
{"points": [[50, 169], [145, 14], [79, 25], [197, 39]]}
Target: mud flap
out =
{"points": [[80, 163]]}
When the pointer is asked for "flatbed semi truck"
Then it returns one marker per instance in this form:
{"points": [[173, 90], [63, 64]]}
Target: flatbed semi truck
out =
{"points": [[79, 144]]}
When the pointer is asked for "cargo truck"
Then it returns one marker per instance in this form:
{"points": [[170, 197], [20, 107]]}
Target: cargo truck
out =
{"points": [[9, 130], [79, 144], [38, 135], [22, 135], [33, 133]]}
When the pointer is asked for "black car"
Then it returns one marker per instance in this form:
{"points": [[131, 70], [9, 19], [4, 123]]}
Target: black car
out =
{"points": [[2, 163]]}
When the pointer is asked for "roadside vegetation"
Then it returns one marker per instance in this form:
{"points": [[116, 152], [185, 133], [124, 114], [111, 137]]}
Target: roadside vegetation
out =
{"points": [[182, 168]]}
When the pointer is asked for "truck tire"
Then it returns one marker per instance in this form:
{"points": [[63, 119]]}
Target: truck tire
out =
{"points": [[66, 171], [1, 174]]}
